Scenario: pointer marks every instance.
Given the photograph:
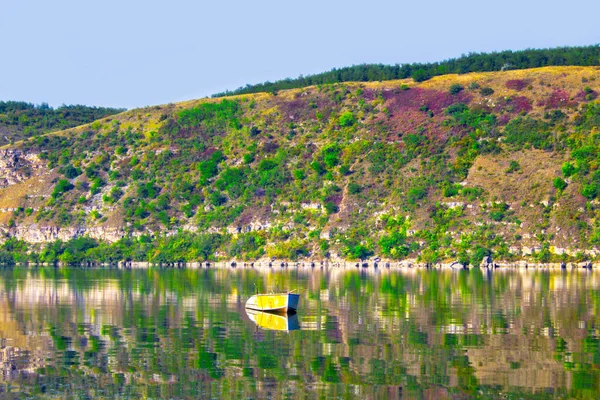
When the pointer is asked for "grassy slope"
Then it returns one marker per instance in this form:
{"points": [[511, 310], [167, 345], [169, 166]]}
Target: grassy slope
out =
{"points": [[20, 120], [400, 158]]}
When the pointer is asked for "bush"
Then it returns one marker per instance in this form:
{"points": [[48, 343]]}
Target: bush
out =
{"points": [[359, 252], [347, 119], [248, 158], [318, 167], [456, 88], [70, 172], [496, 216], [209, 168], [568, 169], [513, 167], [217, 199], [456, 109], [254, 131], [299, 174], [528, 131], [331, 208], [353, 188], [394, 245], [498, 210], [486, 91], [331, 155], [345, 169], [62, 186], [560, 184], [415, 194], [590, 191], [266, 165], [451, 190]]}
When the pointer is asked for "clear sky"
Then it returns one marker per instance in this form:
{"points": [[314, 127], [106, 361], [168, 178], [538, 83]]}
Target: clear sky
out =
{"points": [[133, 53]]}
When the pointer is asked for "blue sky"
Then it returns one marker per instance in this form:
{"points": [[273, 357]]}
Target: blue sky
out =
{"points": [[132, 53]]}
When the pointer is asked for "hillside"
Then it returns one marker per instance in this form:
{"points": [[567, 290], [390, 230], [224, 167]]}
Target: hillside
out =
{"points": [[20, 120], [472, 62], [452, 168]]}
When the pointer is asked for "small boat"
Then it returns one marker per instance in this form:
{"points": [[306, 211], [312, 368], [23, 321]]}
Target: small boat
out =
{"points": [[274, 322], [280, 302]]}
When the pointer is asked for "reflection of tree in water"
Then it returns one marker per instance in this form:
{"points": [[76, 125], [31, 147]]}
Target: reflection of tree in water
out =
{"points": [[178, 333]]}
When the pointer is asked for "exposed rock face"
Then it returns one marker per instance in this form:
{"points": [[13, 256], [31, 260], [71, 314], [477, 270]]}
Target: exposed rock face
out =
{"points": [[15, 166], [249, 227], [43, 234]]}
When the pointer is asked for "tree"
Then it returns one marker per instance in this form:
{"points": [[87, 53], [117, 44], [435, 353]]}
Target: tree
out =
{"points": [[421, 75]]}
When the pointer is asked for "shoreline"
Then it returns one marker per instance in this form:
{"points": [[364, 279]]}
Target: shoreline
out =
{"points": [[281, 264]]}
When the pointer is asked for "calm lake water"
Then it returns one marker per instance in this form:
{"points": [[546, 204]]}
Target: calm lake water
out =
{"points": [[378, 334]]}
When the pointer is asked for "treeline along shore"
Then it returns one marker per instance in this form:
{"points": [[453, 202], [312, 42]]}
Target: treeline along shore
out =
{"points": [[275, 265]]}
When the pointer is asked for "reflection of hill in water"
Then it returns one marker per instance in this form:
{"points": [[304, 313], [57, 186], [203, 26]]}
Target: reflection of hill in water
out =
{"points": [[363, 333]]}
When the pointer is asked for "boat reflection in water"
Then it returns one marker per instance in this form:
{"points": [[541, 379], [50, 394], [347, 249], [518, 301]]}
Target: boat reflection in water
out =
{"points": [[274, 322]]}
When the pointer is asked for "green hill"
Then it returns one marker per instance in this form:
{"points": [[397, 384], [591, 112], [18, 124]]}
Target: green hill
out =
{"points": [[453, 168], [20, 120]]}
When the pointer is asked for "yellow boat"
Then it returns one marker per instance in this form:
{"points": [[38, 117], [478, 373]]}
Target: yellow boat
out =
{"points": [[281, 302], [274, 322]]}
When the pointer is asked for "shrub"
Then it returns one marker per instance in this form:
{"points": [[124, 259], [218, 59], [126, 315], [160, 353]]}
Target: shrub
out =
{"points": [[209, 168], [415, 194], [456, 109], [451, 190], [568, 169], [217, 199], [345, 169], [266, 165], [254, 131], [299, 174], [248, 158], [331, 208], [513, 167], [70, 172], [456, 88], [486, 91], [353, 188], [331, 155], [62, 186], [347, 119], [358, 252], [555, 116], [590, 191], [394, 245], [471, 193], [560, 184], [496, 216], [523, 131], [318, 167], [217, 115], [147, 190]]}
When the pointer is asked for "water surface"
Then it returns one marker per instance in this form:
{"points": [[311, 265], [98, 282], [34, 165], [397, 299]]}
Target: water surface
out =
{"points": [[378, 334]]}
